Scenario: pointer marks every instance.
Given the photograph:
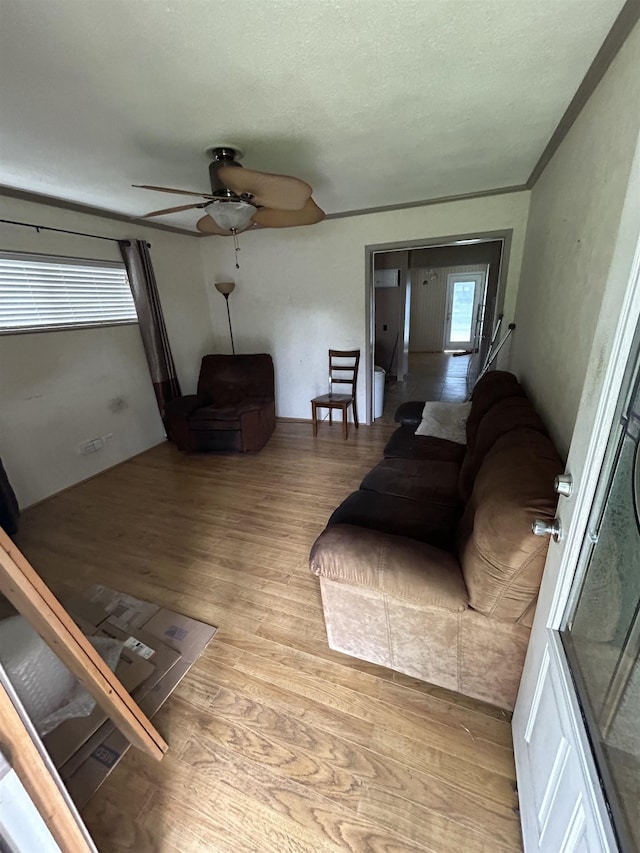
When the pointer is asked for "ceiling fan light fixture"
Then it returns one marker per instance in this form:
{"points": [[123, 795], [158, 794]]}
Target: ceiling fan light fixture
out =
{"points": [[231, 215]]}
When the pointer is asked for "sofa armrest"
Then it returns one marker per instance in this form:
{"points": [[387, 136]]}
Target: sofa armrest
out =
{"points": [[182, 407], [395, 566], [409, 413], [258, 421], [176, 418]]}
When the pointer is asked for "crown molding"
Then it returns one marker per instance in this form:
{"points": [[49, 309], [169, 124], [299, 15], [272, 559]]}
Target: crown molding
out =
{"points": [[445, 199], [88, 210]]}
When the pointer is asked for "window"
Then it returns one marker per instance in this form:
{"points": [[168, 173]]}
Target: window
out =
{"points": [[44, 292]]}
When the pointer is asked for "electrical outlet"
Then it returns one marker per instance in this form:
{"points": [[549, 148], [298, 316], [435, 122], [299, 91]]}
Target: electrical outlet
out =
{"points": [[94, 444], [91, 446]]}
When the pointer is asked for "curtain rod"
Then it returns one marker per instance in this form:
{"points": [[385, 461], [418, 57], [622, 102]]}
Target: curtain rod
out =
{"points": [[64, 231]]}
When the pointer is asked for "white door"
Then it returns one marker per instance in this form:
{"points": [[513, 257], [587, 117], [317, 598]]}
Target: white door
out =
{"points": [[562, 805], [465, 293]]}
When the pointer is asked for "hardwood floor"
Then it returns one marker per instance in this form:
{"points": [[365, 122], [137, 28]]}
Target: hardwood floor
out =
{"points": [[432, 376], [277, 743]]}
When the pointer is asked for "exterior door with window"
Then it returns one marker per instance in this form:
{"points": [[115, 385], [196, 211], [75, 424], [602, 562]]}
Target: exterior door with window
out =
{"points": [[465, 294], [576, 724], [601, 628]]}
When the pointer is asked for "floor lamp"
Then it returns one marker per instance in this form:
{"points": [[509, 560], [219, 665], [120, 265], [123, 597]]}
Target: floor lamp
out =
{"points": [[225, 288]]}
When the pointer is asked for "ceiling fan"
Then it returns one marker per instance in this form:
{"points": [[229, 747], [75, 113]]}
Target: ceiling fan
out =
{"points": [[241, 198]]}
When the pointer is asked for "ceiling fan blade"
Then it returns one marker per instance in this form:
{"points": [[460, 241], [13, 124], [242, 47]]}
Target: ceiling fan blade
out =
{"points": [[309, 215], [173, 210], [279, 192], [170, 190]]}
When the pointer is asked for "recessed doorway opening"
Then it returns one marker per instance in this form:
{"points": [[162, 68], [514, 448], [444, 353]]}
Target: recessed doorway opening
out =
{"points": [[431, 309]]}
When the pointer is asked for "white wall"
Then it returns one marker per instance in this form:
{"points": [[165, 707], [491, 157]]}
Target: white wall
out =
{"points": [[58, 389], [301, 291], [573, 221]]}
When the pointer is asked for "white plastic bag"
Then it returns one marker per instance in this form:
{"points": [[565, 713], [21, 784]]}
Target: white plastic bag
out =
{"points": [[48, 691]]}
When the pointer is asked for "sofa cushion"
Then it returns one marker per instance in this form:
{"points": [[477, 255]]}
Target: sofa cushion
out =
{"points": [[505, 415], [416, 479], [215, 417], [433, 522], [445, 420], [222, 417], [490, 389], [396, 567], [227, 379], [405, 444], [228, 395], [502, 560]]}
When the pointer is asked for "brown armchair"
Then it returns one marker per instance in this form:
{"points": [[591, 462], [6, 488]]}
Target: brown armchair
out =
{"points": [[234, 408]]}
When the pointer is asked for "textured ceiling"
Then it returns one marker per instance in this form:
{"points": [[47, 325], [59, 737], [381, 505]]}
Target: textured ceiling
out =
{"points": [[373, 102]]}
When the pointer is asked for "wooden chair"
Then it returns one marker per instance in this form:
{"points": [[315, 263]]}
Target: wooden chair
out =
{"points": [[343, 370]]}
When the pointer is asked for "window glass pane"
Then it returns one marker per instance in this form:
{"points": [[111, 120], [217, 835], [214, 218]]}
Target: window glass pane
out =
{"points": [[462, 310], [603, 635]]}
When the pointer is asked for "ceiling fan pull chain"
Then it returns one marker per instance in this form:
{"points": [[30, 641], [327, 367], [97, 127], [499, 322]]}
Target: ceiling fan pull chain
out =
{"points": [[237, 247]]}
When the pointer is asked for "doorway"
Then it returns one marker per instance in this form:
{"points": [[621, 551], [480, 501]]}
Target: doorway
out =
{"points": [[408, 303], [464, 315], [447, 308]]}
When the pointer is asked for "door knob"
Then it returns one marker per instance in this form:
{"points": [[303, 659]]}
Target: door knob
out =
{"points": [[563, 485], [540, 527]]}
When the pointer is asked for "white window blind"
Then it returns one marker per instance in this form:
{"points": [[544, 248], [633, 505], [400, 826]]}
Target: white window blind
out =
{"points": [[41, 292]]}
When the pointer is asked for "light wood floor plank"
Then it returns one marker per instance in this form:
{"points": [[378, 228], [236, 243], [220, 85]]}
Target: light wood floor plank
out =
{"points": [[477, 725], [416, 823], [298, 706], [464, 798], [457, 741], [310, 818], [277, 743]]}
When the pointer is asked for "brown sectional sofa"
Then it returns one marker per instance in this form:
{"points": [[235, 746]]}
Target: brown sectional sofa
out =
{"points": [[431, 567]]}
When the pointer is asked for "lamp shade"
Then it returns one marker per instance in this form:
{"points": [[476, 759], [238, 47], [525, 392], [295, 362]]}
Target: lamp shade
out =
{"points": [[232, 215], [225, 287]]}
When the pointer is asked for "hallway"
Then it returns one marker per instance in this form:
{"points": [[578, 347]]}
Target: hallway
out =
{"points": [[431, 376]]}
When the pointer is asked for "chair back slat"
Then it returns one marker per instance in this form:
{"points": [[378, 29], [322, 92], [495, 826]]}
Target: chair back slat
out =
{"points": [[343, 368]]}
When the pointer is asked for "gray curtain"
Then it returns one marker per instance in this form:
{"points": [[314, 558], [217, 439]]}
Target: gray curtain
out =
{"points": [[135, 254]]}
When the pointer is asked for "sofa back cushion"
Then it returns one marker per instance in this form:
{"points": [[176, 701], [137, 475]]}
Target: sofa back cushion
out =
{"points": [[505, 415], [490, 389], [501, 559], [226, 380]]}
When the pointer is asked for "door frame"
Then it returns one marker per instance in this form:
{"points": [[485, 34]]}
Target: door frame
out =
{"points": [[481, 284], [505, 236], [599, 405]]}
